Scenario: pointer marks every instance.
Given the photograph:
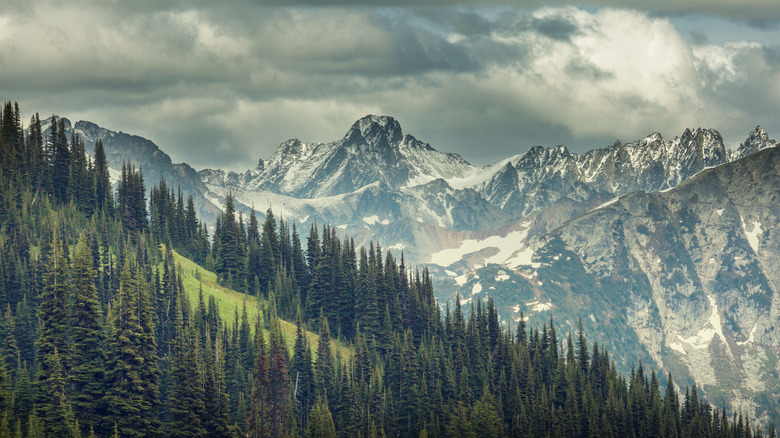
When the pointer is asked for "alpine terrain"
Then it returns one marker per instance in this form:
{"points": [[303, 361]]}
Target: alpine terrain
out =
{"points": [[665, 249]]}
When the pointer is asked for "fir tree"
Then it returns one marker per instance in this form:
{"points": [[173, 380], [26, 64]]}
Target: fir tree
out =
{"points": [[125, 372], [87, 361]]}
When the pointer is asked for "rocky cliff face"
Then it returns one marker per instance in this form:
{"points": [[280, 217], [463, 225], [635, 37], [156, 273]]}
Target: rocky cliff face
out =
{"points": [[685, 278]]}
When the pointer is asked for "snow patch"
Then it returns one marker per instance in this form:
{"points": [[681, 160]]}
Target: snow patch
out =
{"points": [[750, 338], [720, 211], [461, 280], [536, 306], [676, 346], [477, 288], [523, 258], [502, 276], [371, 220], [450, 273], [711, 328], [752, 236], [341, 227], [397, 246], [506, 246], [608, 203]]}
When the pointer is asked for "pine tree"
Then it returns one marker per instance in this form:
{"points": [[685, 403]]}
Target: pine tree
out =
{"points": [[188, 408], [278, 382], [321, 421], [52, 312], [60, 161], [104, 198], [325, 372], [302, 373], [55, 407], [86, 378], [259, 412], [229, 252], [125, 372]]}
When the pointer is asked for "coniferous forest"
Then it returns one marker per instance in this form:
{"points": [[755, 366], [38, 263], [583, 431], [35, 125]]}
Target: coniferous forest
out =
{"points": [[99, 338]]}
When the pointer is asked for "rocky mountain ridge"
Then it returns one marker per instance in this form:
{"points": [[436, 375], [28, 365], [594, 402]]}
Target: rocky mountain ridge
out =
{"points": [[123, 148]]}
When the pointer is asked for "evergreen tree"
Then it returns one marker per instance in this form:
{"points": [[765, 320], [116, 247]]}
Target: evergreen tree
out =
{"points": [[229, 251], [52, 312], [259, 413], [278, 390], [125, 372], [87, 362], [321, 421], [60, 161], [55, 406], [325, 371], [104, 198]]}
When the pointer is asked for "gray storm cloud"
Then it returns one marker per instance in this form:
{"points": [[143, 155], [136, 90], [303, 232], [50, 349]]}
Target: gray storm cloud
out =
{"points": [[223, 83]]}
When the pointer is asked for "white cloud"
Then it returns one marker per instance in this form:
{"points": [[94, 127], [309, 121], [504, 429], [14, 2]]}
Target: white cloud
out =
{"points": [[225, 85]]}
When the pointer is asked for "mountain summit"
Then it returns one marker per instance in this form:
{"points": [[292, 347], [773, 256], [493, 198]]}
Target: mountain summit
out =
{"points": [[374, 150], [377, 131]]}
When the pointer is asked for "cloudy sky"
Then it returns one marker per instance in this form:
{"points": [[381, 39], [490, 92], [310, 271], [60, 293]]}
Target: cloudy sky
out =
{"points": [[221, 84]]}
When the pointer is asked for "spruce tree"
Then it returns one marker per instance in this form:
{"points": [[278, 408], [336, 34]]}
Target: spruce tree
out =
{"points": [[321, 421], [325, 372], [278, 390], [53, 312], [55, 406], [87, 362], [104, 198], [258, 423], [125, 372]]}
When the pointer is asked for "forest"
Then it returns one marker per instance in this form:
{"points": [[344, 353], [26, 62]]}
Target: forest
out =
{"points": [[99, 336]]}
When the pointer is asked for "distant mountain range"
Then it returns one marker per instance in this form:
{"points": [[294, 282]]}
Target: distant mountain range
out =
{"points": [[668, 250]]}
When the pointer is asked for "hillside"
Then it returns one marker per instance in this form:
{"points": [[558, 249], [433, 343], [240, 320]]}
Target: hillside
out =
{"points": [[231, 303]]}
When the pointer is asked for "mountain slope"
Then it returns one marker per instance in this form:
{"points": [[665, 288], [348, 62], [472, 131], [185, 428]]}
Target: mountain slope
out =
{"points": [[123, 148], [690, 274]]}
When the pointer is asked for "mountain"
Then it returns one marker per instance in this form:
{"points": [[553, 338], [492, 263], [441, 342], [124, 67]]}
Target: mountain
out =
{"points": [[756, 141], [373, 150], [685, 278], [376, 180], [534, 180], [123, 148], [664, 248]]}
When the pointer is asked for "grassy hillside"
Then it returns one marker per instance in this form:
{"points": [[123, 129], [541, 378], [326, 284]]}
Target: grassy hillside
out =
{"points": [[194, 276]]}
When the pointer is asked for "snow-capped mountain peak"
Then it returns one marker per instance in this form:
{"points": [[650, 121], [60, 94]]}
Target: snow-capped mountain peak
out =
{"points": [[757, 139], [378, 131]]}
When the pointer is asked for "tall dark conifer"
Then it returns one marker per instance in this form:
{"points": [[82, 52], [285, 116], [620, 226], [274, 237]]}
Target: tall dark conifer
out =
{"points": [[87, 361], [125, 372], [53, 311], [258, 421]]}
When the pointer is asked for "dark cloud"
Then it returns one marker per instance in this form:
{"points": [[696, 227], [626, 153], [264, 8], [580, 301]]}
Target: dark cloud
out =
{"points": [[221, 84], [557, 28], [747, 10], [583, 68]]}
